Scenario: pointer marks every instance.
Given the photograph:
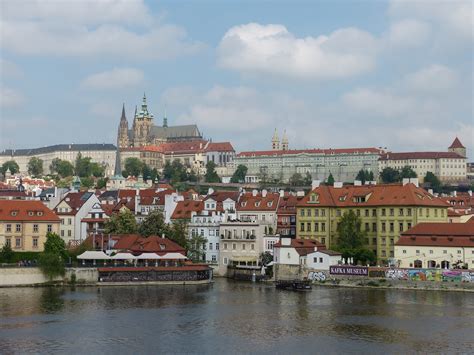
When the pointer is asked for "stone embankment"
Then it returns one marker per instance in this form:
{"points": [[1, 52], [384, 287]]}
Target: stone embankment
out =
{"points": [[32, 276]]}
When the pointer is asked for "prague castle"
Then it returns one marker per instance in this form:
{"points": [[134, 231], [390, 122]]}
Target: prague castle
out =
{"points": [[143, 132]]}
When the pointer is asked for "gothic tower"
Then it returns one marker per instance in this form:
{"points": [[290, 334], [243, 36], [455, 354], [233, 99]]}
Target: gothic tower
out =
{"points": [[284, 141], [142, 124], [122, 138], [457, 147], [275, 141]]}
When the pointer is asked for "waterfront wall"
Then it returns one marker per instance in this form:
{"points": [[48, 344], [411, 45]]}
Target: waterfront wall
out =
{"points": [[25, 276]]}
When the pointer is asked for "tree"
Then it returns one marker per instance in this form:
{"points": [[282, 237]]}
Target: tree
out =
{"points": [[35, 167], [153, 224], [52, 259], [407, 173], [308, 179], [154, 176], [167, 170], [101, 183], [7, 254], [178, 233], [350, 241], [83, 166], [146, 172], [122, 222], [133, 166], [296, 179], [97, 170], [195, 247], [61, 167], [266, 258], [239, 174], [389, 175], [432, 180], [12, 165], [211, 174], [330, 180], [87, 182]]}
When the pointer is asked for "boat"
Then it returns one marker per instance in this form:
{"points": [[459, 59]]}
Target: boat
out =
{"points": [[294, 285]]}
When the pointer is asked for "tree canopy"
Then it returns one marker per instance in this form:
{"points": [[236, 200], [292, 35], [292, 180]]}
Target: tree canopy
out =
{"points": [[407, 173], [61, 167], [195, 247], [239, 174], [365, 175], [432, 180], [54, 256], [153, 224], [133, 167], [296, 180], [211, 174], [35, 167], [122, 222], [12, 165], [330, 180], [389, 175]]}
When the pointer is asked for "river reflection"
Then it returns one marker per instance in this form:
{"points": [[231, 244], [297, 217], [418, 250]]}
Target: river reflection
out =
{"points": [[232, 317]]}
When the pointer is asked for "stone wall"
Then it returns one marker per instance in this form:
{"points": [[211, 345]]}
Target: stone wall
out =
{"points": [[24, 276]]}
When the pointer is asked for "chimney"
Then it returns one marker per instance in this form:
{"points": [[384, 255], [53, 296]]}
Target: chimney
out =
{"points": [[299, 193], [337, 184], [455, 193], [430, 191], [254, 193], [210, 191], [414, 181], [163, 235], [282, 193], [264, 193], [359, 183], [405, 181], [315, 184], [469, 193]]}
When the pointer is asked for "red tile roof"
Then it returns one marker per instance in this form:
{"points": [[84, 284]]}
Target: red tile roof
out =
{"points": [[311, 151], [184, 209], [17, 210], [220, 147], [374, 195], [249, 202], [439, 234], [75, 200], [456, 144], [302, 246], [287, 204], [420, 155], [151, 244]]}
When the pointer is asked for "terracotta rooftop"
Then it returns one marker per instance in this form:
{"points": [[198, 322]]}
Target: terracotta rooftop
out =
{"points": [[151, 244], [456, 144], [420, 155], [220, 147], [439, 234], [302, 246], [75, 200], [371, 195], [310, 151], [249, 202], [17, 210], [184, 209]]}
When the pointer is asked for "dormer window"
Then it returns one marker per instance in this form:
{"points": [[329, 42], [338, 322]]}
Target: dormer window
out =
{"points": [[269, 204], [14, 213], [314, 198], [31, 213], [162, 246], [257, 204], [244, 204], [40, 213]]}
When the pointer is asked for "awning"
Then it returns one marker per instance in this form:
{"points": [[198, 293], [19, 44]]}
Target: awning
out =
{"points": [[173, 256], [148, 256], [93, 255], [124, 256]]}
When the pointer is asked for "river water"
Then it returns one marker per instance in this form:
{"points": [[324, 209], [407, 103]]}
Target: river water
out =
{"points": [[232, 317]]}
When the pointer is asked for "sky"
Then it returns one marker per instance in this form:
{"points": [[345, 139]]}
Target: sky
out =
{"points": [[394, 74]]}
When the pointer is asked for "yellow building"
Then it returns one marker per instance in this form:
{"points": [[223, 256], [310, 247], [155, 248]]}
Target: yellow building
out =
{"points": [[434, 245], [385, 212], [24, 224]]}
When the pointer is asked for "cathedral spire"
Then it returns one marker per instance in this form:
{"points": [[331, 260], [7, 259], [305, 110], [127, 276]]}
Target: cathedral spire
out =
{"points": [[284, 141], [123, 118], [275, 141], [165, 119]]}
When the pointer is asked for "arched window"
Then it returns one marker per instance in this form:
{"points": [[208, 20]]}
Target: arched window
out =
{"points": [[431, 264], [418, 264], [445, 264]]}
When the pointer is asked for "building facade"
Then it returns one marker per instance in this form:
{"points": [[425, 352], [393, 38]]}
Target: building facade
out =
{"points": [[24, 225], [385, 212]]}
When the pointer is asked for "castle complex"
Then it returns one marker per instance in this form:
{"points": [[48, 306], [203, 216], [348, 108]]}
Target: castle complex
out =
{"points": [[144, 132]]}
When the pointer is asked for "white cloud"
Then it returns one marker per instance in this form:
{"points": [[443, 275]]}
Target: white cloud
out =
{"points": [[10, 98], [115, 79], [272, 49], [432, 79], [118, 28], [408, 33]]}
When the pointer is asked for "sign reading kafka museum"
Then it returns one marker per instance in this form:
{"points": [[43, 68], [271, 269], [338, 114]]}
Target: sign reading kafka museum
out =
{"points": [[349, 270]]}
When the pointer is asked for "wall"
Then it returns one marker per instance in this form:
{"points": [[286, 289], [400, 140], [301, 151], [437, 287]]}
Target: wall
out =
{"points": [[23, 276]]}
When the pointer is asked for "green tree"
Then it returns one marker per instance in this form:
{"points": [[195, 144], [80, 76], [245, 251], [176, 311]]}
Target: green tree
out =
{"points": [[54, 256], [308, 179], [266, 258], [330, 180], [7, 254], [121, 223], [83, 166], [87, 182], [153, 224], [133, 166], [211, 174], [12, 165], [432, 180], [61, 167], [97, 170], [35, 167], [178, 233], [154, 175], [167, 170], [407, 173], [146, 172], [389, 175], [195, 247], [296, 180], [370, 176], [101, 183], [239, 174], [350, 240]]}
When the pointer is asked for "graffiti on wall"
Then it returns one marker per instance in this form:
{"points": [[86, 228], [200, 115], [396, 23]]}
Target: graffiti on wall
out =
{"points": [[468, 276], [396, 274], [317, 276]]}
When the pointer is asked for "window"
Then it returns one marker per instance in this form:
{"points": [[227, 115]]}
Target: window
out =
{"points": [[409, 212], [35, 242], [214, 258], [35, 228], [459, 251], [18, 243], [383, 227], [417, 252], [323, 213], [384, 253], [374, 227], [62, 233], [323, 227], [392, 212], [338, 213], [225, 261], [9, 228], [392, 227], [234, 246], [210, 246], [308, 212], [225, 246], [315, 260], [252, 246], [374, 213], [217, 246], [400, 212], [69, 233], [316, 227], [446, 252], [308, 227], [366, 227], [400, 226], [408, 225], [8, 242], [62, 221], [383, 211], [320, 260], [301, 227], [404, 251], [243, 246], [367, 213], [302, 212], [69, 221], [431, 251]]}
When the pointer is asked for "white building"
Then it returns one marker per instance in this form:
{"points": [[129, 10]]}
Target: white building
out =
{"points": [[322, 259], [290, 251], [103, 154], [207, 226]]}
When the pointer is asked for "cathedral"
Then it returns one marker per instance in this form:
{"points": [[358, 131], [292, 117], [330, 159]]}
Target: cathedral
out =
{"points": [[144, 132]]}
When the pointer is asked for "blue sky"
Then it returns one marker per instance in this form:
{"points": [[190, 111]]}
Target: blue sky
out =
{"points": [[395, 74]]}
